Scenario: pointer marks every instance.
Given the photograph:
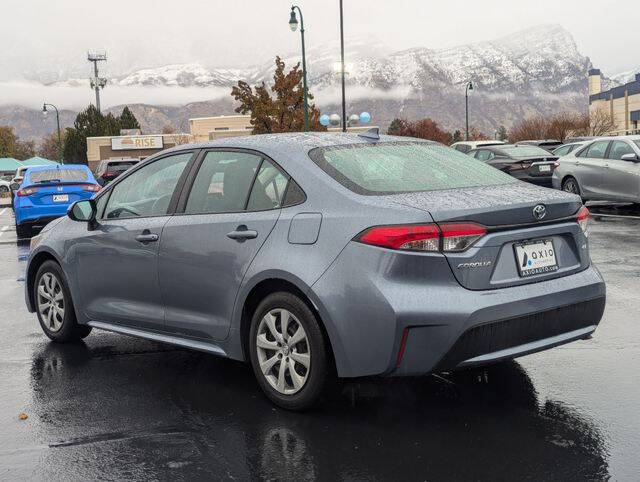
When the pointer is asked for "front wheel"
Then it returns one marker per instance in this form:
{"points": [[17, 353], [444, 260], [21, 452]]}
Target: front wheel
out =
{"points": [[288, 351], [54, 305]]}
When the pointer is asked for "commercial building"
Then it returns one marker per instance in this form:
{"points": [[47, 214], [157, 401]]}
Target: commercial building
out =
{"points": [[622, 103], [211, 128], [132, 146]]}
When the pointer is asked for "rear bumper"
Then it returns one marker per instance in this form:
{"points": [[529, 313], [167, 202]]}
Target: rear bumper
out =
{"points": [[505, 339], [39, 215], [447, 326]]}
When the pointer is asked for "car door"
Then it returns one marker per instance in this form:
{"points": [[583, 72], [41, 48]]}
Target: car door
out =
{"points": [[591, 170], [116, 263], [230, 209], [622, 178]]}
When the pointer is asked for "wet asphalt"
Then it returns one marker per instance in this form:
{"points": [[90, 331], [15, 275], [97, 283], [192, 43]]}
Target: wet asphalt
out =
{"points": [[118, 408]]}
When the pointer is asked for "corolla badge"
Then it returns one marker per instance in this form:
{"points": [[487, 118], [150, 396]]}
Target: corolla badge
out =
{"points": [[539, 212]]}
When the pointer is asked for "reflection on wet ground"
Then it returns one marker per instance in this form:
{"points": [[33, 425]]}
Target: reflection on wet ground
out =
{"points": [[120, 408]]}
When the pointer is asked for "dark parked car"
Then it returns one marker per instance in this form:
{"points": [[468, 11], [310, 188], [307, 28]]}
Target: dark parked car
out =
{"points": [[311, 255], [547, 144], [108, 170], [524, 162]]}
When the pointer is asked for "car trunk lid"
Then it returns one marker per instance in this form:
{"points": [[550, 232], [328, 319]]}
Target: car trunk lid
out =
{"points": [[507, 211]]}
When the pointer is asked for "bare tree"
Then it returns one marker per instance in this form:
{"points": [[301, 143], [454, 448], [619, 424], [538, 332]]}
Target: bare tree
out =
{"points": [[601, 122]]}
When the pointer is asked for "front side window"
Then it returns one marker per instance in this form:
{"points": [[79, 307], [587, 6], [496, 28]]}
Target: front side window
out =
{"points": [[148, 191], [619, 149], [396, 167], [223, 182], [597, 150]]}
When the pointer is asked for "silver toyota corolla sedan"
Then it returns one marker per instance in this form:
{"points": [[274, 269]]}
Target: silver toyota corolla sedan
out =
{"points": [[607, 169], [316, 255]]}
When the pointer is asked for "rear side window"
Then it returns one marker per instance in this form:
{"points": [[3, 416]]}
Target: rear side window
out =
{"points": [[463, 148], [561, 151], [396, 167], [222, 183], [59, 175], [268, 189]]}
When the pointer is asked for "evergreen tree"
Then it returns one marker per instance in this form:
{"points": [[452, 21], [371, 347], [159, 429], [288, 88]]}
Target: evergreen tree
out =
{"points": [[457, 136], [397, 127], [75, 147], [502, 133], [128, 120]]}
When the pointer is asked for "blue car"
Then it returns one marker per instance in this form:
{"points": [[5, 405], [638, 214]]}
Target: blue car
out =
{"points": [[46, 193]]}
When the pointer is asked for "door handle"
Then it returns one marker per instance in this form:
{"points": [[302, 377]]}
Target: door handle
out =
{"points": [[147, 237], [241, 234]]}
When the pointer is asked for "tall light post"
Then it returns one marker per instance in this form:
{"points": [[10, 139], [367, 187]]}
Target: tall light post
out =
{"points": [[293, 24], [468, 88], [344, 108], [44, 113]]}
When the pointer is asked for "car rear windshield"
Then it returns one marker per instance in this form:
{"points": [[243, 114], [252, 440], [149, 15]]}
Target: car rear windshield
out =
{"points": [[121, 166], [525, 151], [58, 175], [396, 167]]}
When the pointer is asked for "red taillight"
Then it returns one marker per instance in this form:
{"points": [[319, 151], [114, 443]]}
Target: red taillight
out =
{"points": [[27, 191], [423, 237], [583, 219], [448, 237], [460, 236], [91, 187]]}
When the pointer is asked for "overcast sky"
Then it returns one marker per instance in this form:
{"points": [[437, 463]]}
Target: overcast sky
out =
{"points": [[50, 36]]}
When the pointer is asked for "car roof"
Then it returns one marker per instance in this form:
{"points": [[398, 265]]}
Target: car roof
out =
{"points": [[293, 142], [56, 166]]}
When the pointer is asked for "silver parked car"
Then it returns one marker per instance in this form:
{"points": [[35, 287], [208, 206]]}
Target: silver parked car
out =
{"points": [[606, 169], [310, 255]]}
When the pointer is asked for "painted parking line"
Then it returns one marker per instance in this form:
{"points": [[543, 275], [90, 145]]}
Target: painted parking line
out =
{"points": [[4, 229], [2, 211]]}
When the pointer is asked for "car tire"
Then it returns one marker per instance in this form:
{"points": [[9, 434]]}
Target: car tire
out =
{"points": [[570, 185], [22, 231], [299, 384], [3, 190], [58, 321]]}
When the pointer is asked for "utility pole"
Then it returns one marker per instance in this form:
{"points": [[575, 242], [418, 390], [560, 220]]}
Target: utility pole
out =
{"points": [[344, 107], [96, 82]]}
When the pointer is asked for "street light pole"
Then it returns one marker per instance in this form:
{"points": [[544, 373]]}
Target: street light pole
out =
{"points": [[344, 108], [467, 88], [293, 23], [44, 111]]}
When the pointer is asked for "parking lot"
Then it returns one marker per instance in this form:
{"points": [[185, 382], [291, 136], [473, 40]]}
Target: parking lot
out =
{"points": [[117, 408]]}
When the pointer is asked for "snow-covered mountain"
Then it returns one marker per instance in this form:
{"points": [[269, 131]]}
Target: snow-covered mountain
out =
{"points": [[535, 71]]}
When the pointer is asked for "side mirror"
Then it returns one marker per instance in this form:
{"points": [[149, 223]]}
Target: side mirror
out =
{"points": [[83, 211], [14, 186], [630, 157]]}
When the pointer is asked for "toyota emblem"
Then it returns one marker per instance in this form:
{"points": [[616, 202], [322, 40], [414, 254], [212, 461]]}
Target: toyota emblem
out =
{"points": [[539, 212]]}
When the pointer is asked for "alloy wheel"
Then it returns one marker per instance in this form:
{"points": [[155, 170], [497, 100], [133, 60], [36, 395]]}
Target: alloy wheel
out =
{"points": [[283, 349], [570, 186], [51, 303]]}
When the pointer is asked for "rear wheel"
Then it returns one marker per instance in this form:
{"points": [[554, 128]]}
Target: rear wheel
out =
{"points": [[3, 190], [54, 305], [570, 184], [288, 351]]}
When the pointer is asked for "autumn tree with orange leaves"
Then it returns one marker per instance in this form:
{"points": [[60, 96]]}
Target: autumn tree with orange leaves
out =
{"points": [[282, 112]]}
